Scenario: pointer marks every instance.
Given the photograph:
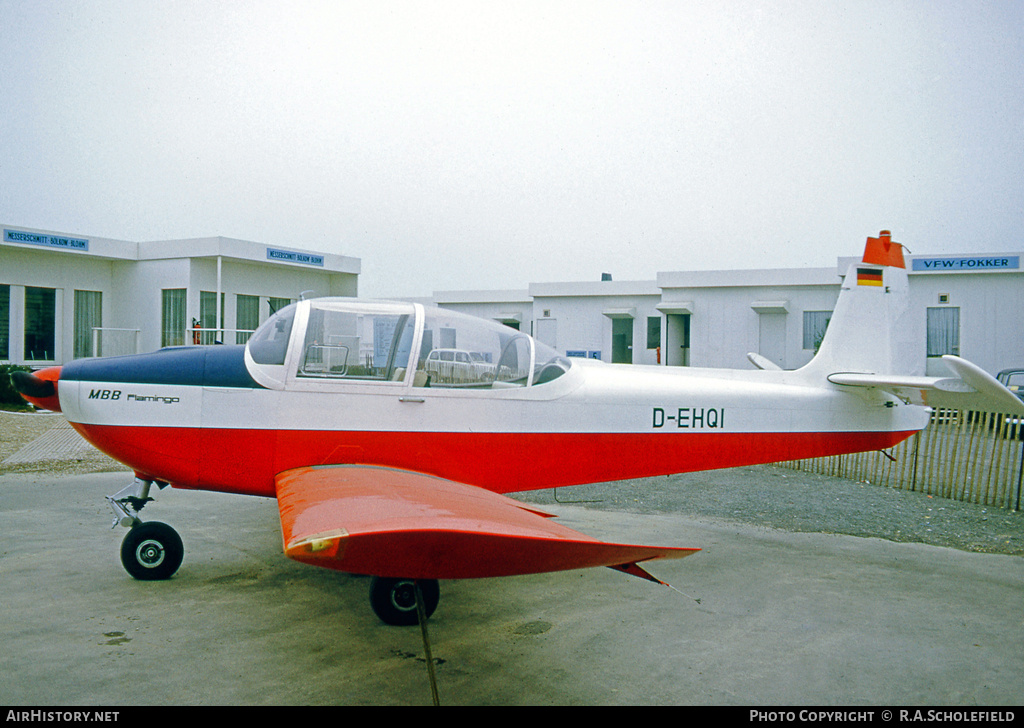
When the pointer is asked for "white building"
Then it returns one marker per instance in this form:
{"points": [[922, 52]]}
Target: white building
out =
{"points": [[969, 305], [67, 296]]}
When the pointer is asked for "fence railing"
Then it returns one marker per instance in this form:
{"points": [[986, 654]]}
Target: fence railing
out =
{"points": [[208, 336], [976, 457], [108, 341]]}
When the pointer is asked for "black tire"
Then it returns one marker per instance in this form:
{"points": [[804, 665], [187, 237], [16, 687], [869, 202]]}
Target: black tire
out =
{"points": [[394, 600], [152, 551]]}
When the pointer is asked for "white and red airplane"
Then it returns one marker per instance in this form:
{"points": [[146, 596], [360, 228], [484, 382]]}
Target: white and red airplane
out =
{"points": [[388, 431]]}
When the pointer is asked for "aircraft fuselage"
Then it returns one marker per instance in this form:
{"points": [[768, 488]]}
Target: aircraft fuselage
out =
{"points": [[194, 417]]}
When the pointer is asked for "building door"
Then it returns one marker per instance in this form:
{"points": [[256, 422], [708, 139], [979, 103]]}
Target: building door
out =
{"points": [[40, 324], [677, 339], [943, 337], [943, 331], [622, 341], [771, 342]]}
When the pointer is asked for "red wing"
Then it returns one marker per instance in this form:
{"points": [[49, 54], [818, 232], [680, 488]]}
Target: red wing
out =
{"points": [[398, 523]]}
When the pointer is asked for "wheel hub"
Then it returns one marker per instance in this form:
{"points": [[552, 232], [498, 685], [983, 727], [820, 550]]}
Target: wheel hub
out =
{"points": [[403, 596], [150, 553]]}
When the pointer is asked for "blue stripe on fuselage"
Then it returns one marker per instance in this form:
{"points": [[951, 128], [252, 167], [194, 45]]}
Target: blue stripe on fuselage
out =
{"points": [[211, 366]]}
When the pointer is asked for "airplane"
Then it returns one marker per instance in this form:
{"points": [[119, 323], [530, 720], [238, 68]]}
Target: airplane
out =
{"points": [[388, 462]]}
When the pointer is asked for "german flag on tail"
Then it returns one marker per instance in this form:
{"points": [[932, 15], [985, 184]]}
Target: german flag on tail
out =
{"points": [[869, 277]]}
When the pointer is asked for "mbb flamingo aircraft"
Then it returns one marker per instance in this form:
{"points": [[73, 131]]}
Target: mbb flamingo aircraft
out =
{"points": [[388, 432]]}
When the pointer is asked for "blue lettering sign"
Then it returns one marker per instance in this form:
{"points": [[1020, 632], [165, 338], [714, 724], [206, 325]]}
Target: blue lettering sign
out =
{"points": [[291, 256], [976, 264], [50, 241]]}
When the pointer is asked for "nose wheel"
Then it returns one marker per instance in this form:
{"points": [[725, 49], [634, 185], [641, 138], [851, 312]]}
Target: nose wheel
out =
{"points": [[152, 551]]}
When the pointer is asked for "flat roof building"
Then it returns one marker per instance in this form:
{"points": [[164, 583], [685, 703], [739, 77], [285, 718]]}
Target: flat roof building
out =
{"points": [[66, 296], [964, 304]]}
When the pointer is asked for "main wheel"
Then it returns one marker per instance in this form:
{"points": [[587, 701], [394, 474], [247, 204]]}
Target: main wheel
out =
{"points": [[152, 551], [394, 600]]}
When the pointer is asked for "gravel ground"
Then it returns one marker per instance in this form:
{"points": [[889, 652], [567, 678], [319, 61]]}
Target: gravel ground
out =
{"points": [[18, 429], [764, 495], [781, 498]]}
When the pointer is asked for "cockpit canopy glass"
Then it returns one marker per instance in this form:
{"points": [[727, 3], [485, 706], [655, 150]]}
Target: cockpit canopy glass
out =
{"points": [[344, 339], [460, 351], [269, 343], [345, 343]]}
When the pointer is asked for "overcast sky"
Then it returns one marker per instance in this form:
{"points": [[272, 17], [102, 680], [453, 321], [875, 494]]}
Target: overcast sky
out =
{"points": [[465, 145]]}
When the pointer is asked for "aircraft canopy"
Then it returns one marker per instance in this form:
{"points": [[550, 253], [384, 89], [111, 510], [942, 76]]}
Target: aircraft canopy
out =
{"points": [[346, 340]]}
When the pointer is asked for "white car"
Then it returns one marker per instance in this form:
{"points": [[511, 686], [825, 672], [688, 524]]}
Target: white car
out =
{"points": [[457, 366]]}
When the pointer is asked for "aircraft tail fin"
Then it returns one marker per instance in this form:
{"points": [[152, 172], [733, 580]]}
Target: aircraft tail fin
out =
{"points": [[868, 329], [869, 343]]}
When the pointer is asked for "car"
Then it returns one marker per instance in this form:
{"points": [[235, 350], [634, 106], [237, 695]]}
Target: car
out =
{"points": [[1012, 379], [457, 366]]}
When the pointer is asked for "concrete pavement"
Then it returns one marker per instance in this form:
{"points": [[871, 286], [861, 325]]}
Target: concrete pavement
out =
{"points": [[783, 618]]}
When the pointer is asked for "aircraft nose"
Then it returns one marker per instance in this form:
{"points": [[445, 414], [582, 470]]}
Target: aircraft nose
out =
{"points": [[38, 388]]}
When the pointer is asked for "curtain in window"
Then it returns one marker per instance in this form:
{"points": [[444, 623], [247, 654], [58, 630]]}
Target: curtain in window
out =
{"points": [[247, 316], [208, 316], [173, 317], [88, 315], [276, 304], [943, 331]]}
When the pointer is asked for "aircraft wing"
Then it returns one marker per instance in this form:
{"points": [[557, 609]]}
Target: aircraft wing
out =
{"points": [[398, 523], [971, 389]]}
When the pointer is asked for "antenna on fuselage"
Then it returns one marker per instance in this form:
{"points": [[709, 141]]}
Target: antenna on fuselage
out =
{"points": [[302, 296]]}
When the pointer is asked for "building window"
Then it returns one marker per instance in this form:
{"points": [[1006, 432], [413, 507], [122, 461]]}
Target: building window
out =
{"points": [[88, 315], [247, 317], [172, 317], [944, 331], [208, 317], [5, 322], [40, 323], [815, 325], [276, 304], [653, 332]]}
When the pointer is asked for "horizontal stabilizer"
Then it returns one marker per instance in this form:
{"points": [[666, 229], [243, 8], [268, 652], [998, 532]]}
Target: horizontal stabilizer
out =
{"points": [[763, 362], [398, 523], [972, 388]]}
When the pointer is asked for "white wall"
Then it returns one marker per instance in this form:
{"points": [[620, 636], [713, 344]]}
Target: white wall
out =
{"points": [[131, 277], [991, 314], [504, 306], [57, 269], [728, 306], [726, 323]]}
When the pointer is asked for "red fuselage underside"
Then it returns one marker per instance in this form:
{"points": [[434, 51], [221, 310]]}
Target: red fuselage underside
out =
{"points": [[247, 460]]}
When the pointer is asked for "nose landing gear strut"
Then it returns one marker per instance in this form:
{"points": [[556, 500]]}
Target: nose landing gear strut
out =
{"points": [[151, 550]]}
